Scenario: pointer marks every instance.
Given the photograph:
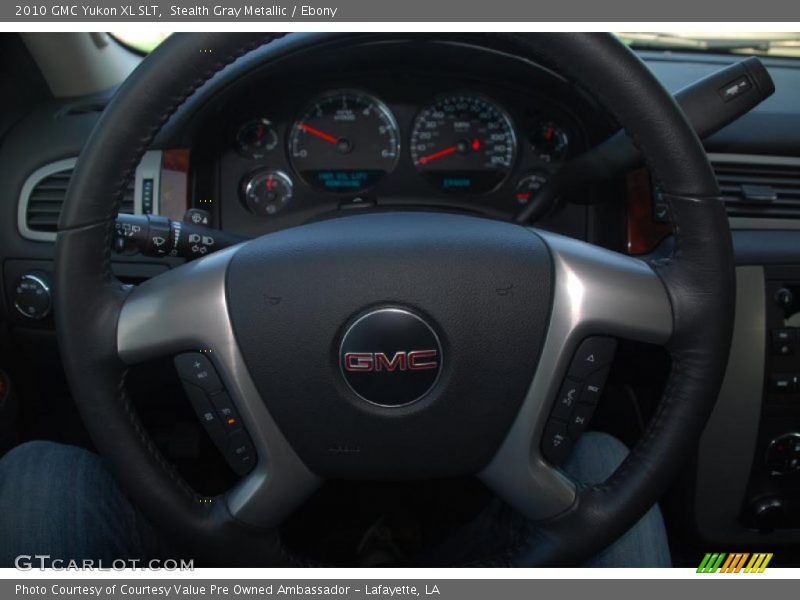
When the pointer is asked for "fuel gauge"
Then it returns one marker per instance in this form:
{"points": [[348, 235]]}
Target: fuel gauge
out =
{"points": [[266, 192], [255, 138], [549, 142]]}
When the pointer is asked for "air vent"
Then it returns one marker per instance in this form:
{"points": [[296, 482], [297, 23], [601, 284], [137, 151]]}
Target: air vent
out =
{"points": [[759, 187], [47, 197], [43, 197]]}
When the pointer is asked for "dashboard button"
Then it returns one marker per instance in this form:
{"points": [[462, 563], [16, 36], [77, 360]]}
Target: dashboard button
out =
{"points": [[784, 335], [205, 412], [556, 443], [593, 354], [593, 388], [735, 88], [228, 415], [783, 383], [198, 370], [783, 341], [784, 297], [567, 399], [240, 453], [197, 216], [580, 419]]}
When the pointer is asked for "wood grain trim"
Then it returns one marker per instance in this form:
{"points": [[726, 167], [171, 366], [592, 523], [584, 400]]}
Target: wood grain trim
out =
{"points": [[174, 192], [644, 233]]}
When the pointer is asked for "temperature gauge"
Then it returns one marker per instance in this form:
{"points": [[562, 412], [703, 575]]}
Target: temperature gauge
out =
{"points": [[255, 138], [549, 142], [266, 192]]}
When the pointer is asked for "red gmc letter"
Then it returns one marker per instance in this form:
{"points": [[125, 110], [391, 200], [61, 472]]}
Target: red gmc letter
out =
{"points": [[382, 361], [417, 362], [358, 361]]}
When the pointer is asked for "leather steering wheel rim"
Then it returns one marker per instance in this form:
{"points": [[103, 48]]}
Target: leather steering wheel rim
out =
{"points": [[698, 280]]}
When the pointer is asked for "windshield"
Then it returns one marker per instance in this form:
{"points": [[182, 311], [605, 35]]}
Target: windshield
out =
{"points": [[759, 43], [142, 42]]}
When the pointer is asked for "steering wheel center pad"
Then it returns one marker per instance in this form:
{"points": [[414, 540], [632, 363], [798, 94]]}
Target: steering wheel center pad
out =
{"points": [[483, 286]]}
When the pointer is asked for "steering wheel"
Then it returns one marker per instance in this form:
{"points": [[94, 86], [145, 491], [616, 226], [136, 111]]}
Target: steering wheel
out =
{"points": [[397, 345]]}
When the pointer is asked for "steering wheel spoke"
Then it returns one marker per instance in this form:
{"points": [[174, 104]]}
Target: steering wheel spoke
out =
{"points": [[598, 295], [185, 310]]}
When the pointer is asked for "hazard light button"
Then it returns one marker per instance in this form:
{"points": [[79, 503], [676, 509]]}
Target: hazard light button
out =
{"points": [[593, 354]]}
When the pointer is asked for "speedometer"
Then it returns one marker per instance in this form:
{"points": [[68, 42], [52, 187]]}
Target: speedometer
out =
{"points": [[463, 143], [345, 141]]}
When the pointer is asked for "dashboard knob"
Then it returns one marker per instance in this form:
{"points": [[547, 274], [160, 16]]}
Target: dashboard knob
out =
{"points": [[32, 295], [768, 513], [783, 454], [784, 297]]}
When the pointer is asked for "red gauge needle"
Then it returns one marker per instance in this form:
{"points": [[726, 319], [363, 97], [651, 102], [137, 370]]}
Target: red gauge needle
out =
{"points": [[270, 183], [316, 132], [441, 153], [460, 147]]}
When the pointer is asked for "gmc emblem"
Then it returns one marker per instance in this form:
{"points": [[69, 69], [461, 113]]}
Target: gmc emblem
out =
{"points": [[415, 360], [392, 377]]}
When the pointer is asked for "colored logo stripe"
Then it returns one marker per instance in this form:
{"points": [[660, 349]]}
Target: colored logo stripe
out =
{"points": [[758, 563], [734, 563], [710, 563]]}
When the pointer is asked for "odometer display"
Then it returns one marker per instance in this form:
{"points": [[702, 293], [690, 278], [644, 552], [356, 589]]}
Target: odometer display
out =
{"points": [[345, 141], [463, 143]]}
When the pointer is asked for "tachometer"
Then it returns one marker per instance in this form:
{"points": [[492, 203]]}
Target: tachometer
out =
{"points": [[463, 143], [345, 141]]}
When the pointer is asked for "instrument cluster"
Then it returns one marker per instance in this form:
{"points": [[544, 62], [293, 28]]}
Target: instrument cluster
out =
{"points": [[347, 141], [388, 140]]}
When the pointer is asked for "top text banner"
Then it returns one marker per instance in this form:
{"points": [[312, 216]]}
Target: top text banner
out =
{"points": [[487, 11]]}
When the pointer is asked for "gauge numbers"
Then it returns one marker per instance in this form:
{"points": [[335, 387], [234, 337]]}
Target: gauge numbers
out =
{"points": [[463, 143]]}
